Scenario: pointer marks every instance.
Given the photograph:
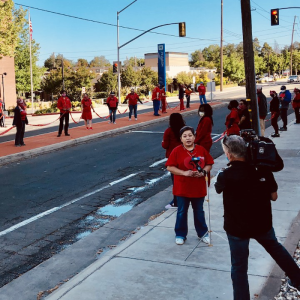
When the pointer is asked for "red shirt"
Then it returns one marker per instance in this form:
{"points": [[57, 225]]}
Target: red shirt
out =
{"points": [[234, 129], [169, 141], [296, 101], [191, 187], [203, 133], [162, 94], [1, 105], [86, 104], [133, 98], [201, 90], [23, 115], [112, 102], [63, 104], [156, 94]]}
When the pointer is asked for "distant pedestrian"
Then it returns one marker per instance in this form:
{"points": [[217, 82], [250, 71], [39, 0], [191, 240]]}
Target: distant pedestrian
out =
{"points": [[274, 109], [244, 115], [202, 91], [181, 97], [204, 128], [233, 119], [171, 140], [156, 99], [262, 110], [133, 99], [20, 119], [285, 98], [189, 184], [86, 111], [64, 105], [1, 114], [112, 104], [188, 92], [163, 100], [296, 105]]}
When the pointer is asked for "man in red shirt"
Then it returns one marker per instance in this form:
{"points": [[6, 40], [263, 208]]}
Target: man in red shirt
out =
{"points": [[133, 99], [296, 105], [112, 103], [202, 91], [64, 105], [156, 99]]}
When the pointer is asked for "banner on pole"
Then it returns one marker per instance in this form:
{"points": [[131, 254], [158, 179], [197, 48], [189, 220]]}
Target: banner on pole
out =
{"points": [[161, 65]]}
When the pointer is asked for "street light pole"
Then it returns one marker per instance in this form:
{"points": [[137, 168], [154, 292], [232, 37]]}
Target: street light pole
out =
{"points": [[3, 75], [62, 70], [221, 50]]}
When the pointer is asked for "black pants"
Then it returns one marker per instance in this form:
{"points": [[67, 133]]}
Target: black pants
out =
{"points": [[283, 114], [188, 99], [61, 123], [297, 114], [19, 140], [274, 119], [1, 120]]}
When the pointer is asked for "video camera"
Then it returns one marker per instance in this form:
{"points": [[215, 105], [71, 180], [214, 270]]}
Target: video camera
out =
{"points": [[261, 151], [195, 161]]}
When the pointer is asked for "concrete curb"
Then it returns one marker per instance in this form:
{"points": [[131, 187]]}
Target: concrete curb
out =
{"points": [[51, 148]]}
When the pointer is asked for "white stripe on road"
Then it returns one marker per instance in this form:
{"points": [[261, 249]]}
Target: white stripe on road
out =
{"points": [[158, 163], [217, 136], [146, 131], [54, 209]]}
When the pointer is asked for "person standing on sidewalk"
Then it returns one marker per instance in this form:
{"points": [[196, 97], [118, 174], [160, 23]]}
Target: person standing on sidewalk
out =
{"points": [[64, 105], [20, 119], [244, 115], [296, 105], [204, 129], [86, 111], [285, 98], [1, 114], [112, 104], [274, 109], [133, 99], [163, 98], [171, 140], [247, 194], [189, 184], [233, 119], [188, 92], [181, 97], [156, 100], [202, 91], [263, 110]]}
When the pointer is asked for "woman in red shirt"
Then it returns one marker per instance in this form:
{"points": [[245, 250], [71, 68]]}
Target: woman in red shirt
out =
{"points": [[86, 112], [204, 129], [163, 100], [20, 119], [171, 140], [296, 105], [189, 184], [233, 119], [112, 104]]}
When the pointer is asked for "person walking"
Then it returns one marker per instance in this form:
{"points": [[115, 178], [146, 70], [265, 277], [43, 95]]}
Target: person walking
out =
{"points": [[244, 115], [189, 184], [247, 195], [181, 97], [112, 104], [202, 91], [296, 105], [171, 140], [262, 107], [233, 119], [204, 128], [86, 111], [133, 99], [163, 98], [285, 98], [274, 109], [64, 105], [188, 92], [156, 99], [20, 119]]}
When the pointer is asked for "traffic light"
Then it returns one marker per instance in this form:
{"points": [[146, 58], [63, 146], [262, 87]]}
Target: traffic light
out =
{"points": [[274, 17], [115, 67], [182, 31]]}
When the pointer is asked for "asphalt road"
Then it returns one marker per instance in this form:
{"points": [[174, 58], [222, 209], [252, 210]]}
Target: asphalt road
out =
{"points": [[51, 201]]}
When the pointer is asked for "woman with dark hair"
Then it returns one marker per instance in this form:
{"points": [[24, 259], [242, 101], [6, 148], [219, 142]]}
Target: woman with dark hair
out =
{"points": [[20, 119], [275, 112], [233, 119], [204, 129], [244, 115], [86, 111], [189, 184], [171, 140]]}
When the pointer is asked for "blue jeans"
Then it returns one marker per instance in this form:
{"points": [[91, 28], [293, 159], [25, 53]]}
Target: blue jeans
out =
{"points": [[202, 99], [181, 226], [112, 115], [239, 249], [156, 104], [134, 108]]}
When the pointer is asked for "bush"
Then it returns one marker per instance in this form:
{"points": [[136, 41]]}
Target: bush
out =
{"points": [[100, 95]]}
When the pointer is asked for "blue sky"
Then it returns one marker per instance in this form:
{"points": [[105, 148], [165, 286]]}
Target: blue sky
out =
{"points": [[80, 39]]}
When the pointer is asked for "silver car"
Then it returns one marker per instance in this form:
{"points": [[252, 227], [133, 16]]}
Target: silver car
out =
{"points": [[294, 78]]}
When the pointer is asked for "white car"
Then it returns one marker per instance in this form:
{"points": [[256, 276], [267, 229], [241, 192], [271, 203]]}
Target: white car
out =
{"points": [[268, 79], [294, 78]]}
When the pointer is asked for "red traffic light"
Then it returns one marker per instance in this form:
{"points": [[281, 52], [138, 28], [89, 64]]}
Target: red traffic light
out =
{"points": [[274, 12], [274, 17]]}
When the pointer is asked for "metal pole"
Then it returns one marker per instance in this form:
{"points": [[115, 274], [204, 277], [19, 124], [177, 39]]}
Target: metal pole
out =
{"points": [[62, 71], [221, 50], [3, 92], [31, 80], [119, 65], [291, 71]]}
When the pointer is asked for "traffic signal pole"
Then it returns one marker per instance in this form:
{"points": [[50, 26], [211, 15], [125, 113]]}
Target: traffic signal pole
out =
{"points": [[249, 64]]}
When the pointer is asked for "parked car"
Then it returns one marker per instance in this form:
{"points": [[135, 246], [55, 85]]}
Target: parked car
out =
{"points": [[294, 78], [268, 78]]}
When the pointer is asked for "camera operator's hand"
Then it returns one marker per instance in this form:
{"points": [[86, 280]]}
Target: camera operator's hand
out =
{"points": [[197, 174]]}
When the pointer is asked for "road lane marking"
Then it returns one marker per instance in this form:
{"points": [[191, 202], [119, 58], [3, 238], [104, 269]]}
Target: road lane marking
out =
{"points": [[158, 163], [122, 179], [144, 131]]}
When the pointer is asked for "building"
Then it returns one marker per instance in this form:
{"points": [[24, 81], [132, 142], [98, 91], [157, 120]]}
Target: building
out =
{"points": [[8, 81]]}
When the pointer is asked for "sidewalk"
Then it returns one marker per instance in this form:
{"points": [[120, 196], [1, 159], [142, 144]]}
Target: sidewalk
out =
{"points": [[149, 265]]}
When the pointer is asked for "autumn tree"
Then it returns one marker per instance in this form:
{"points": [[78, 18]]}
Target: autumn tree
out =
{"points": [[99, 61]]}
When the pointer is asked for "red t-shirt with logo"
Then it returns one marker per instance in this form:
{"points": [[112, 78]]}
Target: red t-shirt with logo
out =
{"points": [[112, 102], [133, 98], [201, 90], [190, 187], [154, 94]]}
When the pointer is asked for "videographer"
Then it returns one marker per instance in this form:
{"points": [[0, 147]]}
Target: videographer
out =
{"points": [[247, 195]]}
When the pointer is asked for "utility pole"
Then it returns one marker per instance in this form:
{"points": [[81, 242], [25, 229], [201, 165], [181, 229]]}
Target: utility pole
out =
{"points": [[291, 71], [249, 64], [221, 50]]}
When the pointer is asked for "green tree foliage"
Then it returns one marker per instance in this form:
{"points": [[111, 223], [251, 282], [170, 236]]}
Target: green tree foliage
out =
{"points": [[185, 78], [54, 62], [128, 77], [81, 62], [234, 67], [99, 61], [108, 82], [149, 79], [134, 62]]}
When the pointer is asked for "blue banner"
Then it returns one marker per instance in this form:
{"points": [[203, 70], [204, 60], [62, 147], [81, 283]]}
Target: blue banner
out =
{"points": [[162, 66]]}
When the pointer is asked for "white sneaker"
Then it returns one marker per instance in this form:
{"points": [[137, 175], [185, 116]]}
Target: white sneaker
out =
{"points": [[169, 206], [115, 123], [205, 239], [136, 119], [129, 119], [179, 241], [109, 122]]}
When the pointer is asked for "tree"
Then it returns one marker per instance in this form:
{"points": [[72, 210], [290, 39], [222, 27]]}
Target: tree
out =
{"points": [[99, 61], [134, 62], [81, 62], [149, 79], [54, 62], [108, 82], [197, 59], [234, 67], [212, 53], [185, 78], [256, 46]]}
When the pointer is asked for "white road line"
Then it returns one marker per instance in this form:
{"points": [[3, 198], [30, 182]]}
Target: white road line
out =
{"points": [[54, 209], [217, 136], [146, 131], [158, 163]]}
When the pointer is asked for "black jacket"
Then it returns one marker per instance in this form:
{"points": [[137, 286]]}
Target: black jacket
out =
{"points": [[17, 118], [274, 104], [246, 199], [262, 105]]}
